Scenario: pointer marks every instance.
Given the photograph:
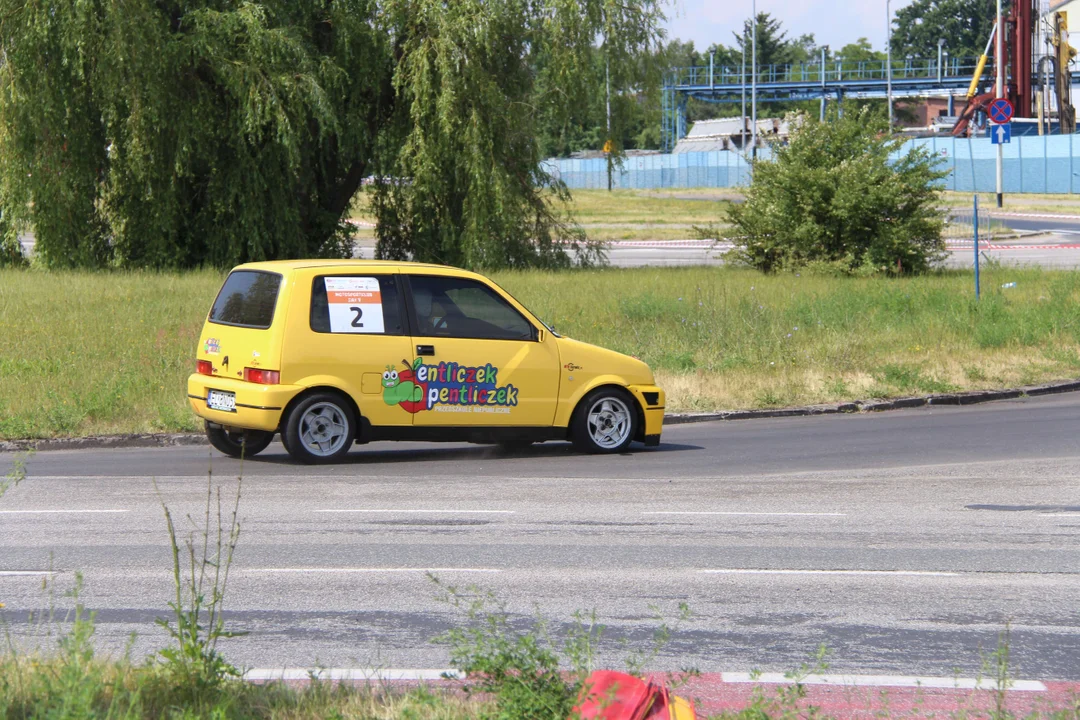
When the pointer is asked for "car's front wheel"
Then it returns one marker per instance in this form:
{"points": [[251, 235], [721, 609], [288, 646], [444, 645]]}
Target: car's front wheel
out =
{"points": [[321, 429], [604, 422], [237, 443]]}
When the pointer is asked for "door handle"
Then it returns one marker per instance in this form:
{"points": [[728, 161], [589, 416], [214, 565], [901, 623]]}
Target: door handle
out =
{"points": [[425, 350]]}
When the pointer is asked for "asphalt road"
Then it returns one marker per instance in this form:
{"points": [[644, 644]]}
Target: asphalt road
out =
{"points": [[902, 541]]}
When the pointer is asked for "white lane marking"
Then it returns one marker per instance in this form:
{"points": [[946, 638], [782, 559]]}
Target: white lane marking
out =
{"points": [[372, 570], [882, 681], [26, 573], [61, 512], [765, 514], [757, 571], [1060, 514], [368, 674], [426, 512]]}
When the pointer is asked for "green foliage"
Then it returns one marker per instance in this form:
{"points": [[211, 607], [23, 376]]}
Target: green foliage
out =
{"points": [[965, 25], [839, 193], [200, 577], [476, 195], [211, 132], [17, 473], [519, 669]]}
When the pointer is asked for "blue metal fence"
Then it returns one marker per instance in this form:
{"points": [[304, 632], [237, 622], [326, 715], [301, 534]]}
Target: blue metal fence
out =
{"points": [[1047, 164]]}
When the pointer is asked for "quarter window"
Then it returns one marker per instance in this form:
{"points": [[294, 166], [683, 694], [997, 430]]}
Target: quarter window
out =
{"points": [[352, 304], [461, 308]]}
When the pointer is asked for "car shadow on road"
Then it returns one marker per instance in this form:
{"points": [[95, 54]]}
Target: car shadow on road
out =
{"points": [[362, 455]]}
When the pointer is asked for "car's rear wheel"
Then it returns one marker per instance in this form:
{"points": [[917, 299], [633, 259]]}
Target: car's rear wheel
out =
{"points": [[604, 422], [321, 429], [237, 443]]}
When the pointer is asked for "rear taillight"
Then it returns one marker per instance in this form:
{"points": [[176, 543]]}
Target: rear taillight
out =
{"points": [[204, 367], [262, 377]]}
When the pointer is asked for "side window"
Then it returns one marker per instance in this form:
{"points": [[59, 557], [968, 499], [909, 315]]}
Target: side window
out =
{"points": [[351, 304], [460, 308]]}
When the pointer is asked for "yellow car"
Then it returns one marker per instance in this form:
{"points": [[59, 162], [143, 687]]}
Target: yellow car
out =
{"points": [[332, 352]]}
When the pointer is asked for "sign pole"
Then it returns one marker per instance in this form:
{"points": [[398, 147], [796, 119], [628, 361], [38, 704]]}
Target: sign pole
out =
{"points": [[976, 224], [1000, 93]]}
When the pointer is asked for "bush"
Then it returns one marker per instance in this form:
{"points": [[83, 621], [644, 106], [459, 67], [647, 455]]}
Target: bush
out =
{"points": [[839, 194]]}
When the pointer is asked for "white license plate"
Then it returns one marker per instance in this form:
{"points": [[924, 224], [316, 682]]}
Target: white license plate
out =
{"points": [[221, 400]]}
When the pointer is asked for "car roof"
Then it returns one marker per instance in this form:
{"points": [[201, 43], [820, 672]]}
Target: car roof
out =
{"points": [[284, 266]]}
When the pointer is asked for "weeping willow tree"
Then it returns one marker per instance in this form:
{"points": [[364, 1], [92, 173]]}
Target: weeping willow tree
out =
{"points": [[179, 133]]}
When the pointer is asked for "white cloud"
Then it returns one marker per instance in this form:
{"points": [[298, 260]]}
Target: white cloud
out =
{"points": [[832, 22]]}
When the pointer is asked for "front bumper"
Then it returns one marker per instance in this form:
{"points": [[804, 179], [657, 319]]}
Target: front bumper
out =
{"points": [[652, 401], [258, 407]]}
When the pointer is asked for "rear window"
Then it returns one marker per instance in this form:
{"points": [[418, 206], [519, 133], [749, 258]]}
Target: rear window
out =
{"points": [[247, 299]]}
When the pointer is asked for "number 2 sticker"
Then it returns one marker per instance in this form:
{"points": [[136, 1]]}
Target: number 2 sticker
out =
{"points": [[355, 304]]}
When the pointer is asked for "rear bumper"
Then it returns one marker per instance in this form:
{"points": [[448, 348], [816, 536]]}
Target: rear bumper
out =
{"points": [[652, 401], [258, 407]]}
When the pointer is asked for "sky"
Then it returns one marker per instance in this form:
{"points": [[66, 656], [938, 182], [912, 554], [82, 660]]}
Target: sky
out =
{"points": [[833, 22]]}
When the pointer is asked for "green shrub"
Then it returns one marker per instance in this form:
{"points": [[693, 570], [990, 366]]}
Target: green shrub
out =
{"points": [[840, 197]]}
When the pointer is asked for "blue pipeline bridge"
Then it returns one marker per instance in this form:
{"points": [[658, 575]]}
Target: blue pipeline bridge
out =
{"points": [[809, 81]]}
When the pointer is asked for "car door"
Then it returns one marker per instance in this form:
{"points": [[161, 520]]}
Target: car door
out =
{"points": [[353, 335], [479, 361]]}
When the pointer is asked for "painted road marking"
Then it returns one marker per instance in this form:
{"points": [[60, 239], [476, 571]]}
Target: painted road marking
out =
{"points": [[882, 681], [365, 674], [894, 681], [879, 573], [373, 570], [61, 512], [1060, 514], [725, 512], [27, 573], [427, 512]]}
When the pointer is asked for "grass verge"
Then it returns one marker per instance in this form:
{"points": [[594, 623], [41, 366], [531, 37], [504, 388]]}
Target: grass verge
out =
{"points": [[92, 353]]}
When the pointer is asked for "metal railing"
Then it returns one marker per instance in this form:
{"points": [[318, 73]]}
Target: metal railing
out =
{"points": [[831, 72]]}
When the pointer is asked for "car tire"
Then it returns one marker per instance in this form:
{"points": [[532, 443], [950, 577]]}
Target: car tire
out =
{"points": [[320, 429], [604, 422], [244, 443]]}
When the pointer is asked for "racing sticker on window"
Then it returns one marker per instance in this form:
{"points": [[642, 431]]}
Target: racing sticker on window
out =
{"points": [[447, 387], [355, 305]]}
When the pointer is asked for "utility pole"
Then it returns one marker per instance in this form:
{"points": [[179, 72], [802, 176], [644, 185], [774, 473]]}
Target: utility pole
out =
{"points": [[607, 145], [824, 51], [1000, 93], [753, 77], [888, 57], [742, 130]]}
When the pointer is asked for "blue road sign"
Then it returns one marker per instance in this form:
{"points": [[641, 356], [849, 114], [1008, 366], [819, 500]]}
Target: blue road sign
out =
{"points": [[1000, 134], [1000, 111]]}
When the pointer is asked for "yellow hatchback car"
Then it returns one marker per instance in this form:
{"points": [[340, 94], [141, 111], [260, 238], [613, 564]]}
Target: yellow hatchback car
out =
{"points": [[332, 352]]}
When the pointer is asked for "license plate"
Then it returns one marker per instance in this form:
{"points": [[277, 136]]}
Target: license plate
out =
{"points": [[221, 400]]}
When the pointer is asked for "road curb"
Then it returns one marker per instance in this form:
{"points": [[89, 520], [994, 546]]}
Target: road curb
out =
{"points": [[94, 442], [973, 397]]}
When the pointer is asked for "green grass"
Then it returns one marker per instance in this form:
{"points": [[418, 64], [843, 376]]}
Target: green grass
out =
{"points": [[88, 353], [62, 686], [628, 214]]}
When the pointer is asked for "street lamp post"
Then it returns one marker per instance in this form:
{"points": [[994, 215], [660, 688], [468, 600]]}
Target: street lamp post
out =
{"points": [[742, 118], [888, 57], [753, 77]]}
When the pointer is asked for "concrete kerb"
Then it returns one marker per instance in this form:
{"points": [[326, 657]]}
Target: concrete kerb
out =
{"points": [[861, 406]]}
